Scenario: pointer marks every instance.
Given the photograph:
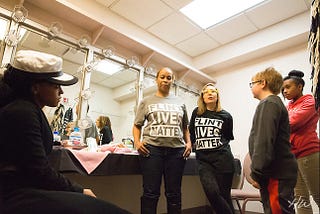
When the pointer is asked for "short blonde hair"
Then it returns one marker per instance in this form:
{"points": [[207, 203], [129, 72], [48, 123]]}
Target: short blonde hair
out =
{"points": [[272, 78], [202, 107]]}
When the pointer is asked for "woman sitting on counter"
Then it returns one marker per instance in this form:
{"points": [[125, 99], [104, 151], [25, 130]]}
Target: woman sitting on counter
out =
{"points": [[27, 182]]}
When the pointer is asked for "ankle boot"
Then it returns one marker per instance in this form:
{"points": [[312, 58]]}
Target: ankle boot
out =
{"points": [[148, 205]]}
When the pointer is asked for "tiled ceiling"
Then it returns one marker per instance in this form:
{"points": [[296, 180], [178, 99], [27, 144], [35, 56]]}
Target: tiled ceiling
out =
{"points": [[163, 19], [159, 34]]}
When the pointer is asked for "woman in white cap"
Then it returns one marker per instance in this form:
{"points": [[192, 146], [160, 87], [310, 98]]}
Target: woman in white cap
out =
{"points": [[27, 182]]}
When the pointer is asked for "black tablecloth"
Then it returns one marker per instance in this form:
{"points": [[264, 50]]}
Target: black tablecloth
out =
{"points": [[114, 164]]}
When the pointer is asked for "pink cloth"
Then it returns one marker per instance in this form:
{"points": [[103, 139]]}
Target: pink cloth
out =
{"points": [[108, 147], [114, 148], [124, 151], [89, 160]]}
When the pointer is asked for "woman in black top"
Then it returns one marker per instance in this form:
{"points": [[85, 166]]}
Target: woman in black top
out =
{"points": [[104, 125], [210, 132], [28, 184]]}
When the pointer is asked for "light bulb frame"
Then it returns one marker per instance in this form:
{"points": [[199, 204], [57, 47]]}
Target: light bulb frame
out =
{"points": [[12, 38], [84, 41], [109, 51], [55, 29], [19, 14], [132, 61]]}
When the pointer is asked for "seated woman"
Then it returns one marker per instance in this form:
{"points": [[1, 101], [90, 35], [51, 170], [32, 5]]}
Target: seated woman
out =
{"points": [[104, 125], [27, 182]]}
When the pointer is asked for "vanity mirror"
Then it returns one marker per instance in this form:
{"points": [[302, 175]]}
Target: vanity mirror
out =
{"points": [[4, 25], [109, 84], [111, 94], [73, 59], [188, 93], [113, 84]]}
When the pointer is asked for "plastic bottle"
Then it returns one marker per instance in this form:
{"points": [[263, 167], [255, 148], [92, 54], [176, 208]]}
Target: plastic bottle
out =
{"points": [[75, 137], [56, 137]]}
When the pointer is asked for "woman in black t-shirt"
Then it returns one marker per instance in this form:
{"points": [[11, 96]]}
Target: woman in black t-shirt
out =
{"points": [[210, 132]]}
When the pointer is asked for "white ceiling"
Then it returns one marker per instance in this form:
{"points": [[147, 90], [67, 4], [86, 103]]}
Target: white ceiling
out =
{"points": [[157, 33], [163, 19]]}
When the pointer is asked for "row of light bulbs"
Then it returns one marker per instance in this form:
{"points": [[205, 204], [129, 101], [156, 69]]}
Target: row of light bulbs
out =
{"points": [[19, 15]]}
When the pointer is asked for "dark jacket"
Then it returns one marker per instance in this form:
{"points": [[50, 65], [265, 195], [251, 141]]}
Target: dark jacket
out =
{"points": [[26, 141], [269, 145], [106, 135]]}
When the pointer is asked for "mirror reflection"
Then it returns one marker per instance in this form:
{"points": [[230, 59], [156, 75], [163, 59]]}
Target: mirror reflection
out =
{"points": [[3, 29], [73, 59], [114, 88], [112, 91], [187, 93]]}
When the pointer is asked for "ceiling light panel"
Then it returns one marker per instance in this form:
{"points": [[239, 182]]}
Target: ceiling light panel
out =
{"points": [[206, 13]]}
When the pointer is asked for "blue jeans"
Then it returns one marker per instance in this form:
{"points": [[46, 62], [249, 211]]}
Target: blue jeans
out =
{"points": [[170, 163]]}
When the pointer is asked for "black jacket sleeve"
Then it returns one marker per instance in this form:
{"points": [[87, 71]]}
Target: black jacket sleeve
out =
{"points": [[107, 135], [29, 140], [192, 127]]}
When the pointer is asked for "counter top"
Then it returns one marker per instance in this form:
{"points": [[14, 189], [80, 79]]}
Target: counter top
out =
{"points": [[63, 160]]}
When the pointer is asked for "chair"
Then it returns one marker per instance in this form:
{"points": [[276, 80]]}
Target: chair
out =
{"points": [[237, 192]]}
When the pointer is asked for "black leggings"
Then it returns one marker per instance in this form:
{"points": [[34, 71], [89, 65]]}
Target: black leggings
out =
{"points": [[34, 201], [217, 187]]}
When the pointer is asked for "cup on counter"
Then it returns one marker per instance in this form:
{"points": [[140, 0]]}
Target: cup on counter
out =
{"points": [[128, 142], [92, 144]]}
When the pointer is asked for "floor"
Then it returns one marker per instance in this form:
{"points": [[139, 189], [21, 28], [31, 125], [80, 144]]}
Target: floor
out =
{"points": [[207, 210]]}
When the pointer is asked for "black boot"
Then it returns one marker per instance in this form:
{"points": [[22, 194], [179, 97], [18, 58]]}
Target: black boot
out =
{"points": [[148, 205], [174, 208]]}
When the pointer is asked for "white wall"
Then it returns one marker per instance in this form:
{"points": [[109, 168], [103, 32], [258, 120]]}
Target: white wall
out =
{"points": [[236, 96]]}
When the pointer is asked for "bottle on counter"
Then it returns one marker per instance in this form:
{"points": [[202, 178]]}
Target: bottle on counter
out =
{"points": [[75, 137], [56, 138]]}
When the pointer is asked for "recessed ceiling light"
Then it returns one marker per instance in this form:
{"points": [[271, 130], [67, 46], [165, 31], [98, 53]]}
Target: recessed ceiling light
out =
{"points": [[207, 13], [108, 67]]}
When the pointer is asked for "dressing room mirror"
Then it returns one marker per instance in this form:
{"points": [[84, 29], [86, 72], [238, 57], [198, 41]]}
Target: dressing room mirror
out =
{"points": [[113, 86], [188, 93], [4, 24], [73, 60]]}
